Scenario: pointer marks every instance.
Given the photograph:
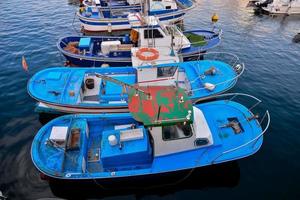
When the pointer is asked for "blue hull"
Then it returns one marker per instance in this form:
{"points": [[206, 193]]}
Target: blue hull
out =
{"points": [[93, 63], [77, 62], [213, 39], [53, 90], [227, 145]]}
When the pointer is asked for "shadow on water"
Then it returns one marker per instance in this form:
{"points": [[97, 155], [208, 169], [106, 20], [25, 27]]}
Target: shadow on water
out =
{"points": [[44, 118], [222, 175]]}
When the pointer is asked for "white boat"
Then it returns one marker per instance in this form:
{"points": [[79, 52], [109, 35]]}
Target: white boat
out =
{"points": [[94, 19], [278, 7]]}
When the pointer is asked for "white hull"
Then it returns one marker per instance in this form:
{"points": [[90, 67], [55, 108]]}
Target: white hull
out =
{"points": [[283, 7], [283, 10], [72, 110], [95, 28], [107, 25]]}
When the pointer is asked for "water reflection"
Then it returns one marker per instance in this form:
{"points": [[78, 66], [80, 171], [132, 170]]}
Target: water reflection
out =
{"points": [[222, 175]]}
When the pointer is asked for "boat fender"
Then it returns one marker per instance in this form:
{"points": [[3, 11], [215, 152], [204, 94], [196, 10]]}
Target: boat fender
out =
{"points": [[215, 18], [112, 139], [142, 54], [238, 67], [209, 86], [90, 83], [211, 71]]}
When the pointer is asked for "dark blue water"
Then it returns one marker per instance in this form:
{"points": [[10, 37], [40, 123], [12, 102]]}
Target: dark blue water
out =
{"points": [[31, 28]]}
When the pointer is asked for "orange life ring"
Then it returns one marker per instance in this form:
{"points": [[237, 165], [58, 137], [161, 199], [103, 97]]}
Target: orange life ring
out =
{"points": [[141, 54]]}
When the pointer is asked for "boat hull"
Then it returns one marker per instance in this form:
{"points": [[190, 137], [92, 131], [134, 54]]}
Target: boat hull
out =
{"points": [[97, 62], [124, 59], [282, 11], [116, 62], [57, 109], [227, 146], [100, 25], [47, 104]]}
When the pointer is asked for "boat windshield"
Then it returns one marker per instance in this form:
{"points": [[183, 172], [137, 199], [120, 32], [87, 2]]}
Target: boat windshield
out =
{"points": [[177, 131], [152, 33]]}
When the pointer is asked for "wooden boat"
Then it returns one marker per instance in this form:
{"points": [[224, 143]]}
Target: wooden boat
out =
{"points": [[127, 5], [98, 90], [115, 18], [163, 133], [118, 51]]}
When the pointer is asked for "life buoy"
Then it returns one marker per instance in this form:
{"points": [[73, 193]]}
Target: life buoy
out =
{"points": [[142, 51]]}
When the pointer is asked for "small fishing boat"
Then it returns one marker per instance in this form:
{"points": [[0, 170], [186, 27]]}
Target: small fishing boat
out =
{"points": [[94, 19], [129, 5], [98, 90], [95, 51], [163, 133], [279, 7]]}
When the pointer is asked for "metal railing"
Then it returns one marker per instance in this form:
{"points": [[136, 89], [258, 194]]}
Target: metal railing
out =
{"points": [[264, 121], [231, 59]]}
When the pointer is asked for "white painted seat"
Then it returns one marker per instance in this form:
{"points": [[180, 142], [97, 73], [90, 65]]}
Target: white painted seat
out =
{"points": [[131, 134], [201, 127], [108, 46], [58, 133]]}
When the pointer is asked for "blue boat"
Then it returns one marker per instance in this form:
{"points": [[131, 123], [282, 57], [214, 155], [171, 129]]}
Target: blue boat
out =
{"points": [[114, 17], [113, 5], [127, 5], [98, 90], [168, 136], [94, 51]]}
